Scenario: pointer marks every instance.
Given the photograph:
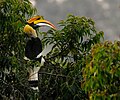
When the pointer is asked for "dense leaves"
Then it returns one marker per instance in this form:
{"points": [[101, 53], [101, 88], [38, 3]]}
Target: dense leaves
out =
{"points": [[13, 68], [102, 71], [76, 37], [61, 76]]}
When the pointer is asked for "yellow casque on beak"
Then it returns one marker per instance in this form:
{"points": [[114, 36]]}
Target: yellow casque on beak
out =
{"points": [[31, 20], [30, 31], [44, 23]]}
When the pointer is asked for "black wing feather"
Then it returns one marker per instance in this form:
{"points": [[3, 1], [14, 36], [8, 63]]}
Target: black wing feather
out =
{"points": [[33, 48]]}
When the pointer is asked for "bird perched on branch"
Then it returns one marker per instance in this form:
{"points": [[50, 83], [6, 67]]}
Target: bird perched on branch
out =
{"points": [[33, 47]]}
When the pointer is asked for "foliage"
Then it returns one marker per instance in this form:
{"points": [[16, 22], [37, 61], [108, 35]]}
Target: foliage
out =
{"points": [[61, 76], [13, 68], [102, 72]]}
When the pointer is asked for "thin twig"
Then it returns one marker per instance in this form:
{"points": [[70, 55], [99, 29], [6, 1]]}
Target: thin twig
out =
{"points": [[52, 74]]}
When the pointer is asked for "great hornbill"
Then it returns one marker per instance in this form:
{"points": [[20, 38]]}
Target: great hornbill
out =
{"points": [[33, 47]]}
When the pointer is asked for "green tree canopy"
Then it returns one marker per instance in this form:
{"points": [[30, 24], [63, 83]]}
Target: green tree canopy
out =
{"points": [[13, 68], [61, 76], [102, 71]]}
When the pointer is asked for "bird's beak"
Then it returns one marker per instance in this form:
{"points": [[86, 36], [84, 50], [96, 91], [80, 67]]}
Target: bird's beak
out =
{"points": [[44, 23]]}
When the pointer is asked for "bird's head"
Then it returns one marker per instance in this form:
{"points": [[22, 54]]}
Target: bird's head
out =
{"points": [[35, 22]]}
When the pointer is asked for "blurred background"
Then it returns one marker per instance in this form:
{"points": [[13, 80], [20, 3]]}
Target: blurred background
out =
{"points": [[105, 13]]}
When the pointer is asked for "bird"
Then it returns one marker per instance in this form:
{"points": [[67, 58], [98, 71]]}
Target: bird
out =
{"points": [[33, 46]]}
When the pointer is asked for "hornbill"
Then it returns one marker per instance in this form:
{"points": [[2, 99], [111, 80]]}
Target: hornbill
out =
{"points": [[33, 47]]}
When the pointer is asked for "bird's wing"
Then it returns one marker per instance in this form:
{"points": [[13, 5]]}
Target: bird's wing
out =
{"points": [[33, 48]]}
